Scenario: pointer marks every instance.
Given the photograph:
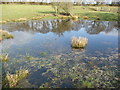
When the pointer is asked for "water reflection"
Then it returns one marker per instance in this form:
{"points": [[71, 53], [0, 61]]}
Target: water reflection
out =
{"points": [[47, 44], [60, 26]]}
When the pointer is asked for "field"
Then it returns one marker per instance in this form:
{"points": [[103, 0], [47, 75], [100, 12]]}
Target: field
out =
{"points": [[15, 11]]}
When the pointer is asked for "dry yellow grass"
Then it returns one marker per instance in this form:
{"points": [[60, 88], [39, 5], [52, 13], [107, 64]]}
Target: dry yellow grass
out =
{"points": [[4, 58], [79, 42], [13, 79], [5, 35], [85, 17], [22, 19], [75, 17]]}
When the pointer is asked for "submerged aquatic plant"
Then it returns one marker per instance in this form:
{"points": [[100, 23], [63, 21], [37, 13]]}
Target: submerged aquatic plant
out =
{"points": [[5, 35], [79, 42], [13, 79], [44, 53], [87, 84]]}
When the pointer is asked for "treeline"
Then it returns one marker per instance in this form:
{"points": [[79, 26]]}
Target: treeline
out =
{"points": [[31, 3], [76, 4]]}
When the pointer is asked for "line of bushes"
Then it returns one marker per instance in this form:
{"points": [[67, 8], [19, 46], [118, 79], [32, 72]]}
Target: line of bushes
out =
{"points": [[43, 3], [31, 3]]}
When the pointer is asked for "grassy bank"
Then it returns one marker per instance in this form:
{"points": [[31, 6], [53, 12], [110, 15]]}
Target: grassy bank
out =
{"points": [[15, 11]]}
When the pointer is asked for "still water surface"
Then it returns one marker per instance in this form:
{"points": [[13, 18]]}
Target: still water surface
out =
{"points": [[54, 63]]}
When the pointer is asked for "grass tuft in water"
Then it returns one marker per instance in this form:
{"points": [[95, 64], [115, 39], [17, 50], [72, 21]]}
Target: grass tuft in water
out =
{"points": [[5, 35], [4, 58], [79, 42], [13, 79]]}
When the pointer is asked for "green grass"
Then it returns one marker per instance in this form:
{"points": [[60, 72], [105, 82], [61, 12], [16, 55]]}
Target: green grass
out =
{"points": [[26, 11], [15, 11]]}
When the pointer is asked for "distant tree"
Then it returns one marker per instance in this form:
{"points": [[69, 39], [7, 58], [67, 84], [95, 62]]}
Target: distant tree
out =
{"points": [[63, 7]]}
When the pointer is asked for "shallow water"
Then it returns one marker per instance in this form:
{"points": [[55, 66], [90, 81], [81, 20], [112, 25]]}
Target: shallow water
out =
{"points": [[54, 63]]}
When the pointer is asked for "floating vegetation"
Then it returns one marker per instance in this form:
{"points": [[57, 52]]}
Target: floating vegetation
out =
{"points": [[79, 42], [30, 58], [83, 71], [82, 74], [86, 84], [44, 53], [4, 58], [5, 35], [13, 79]]}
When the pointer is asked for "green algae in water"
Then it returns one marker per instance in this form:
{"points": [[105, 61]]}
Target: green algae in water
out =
{"points": [[43, 54]]}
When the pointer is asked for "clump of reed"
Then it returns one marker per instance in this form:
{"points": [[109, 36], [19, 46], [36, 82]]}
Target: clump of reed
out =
{"points": [[79, 42], [85, 17], [5, 35], [13, 79], [4, 58]]}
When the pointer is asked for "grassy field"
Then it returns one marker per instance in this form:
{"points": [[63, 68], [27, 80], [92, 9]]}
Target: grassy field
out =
{"points": [[15, 11]]}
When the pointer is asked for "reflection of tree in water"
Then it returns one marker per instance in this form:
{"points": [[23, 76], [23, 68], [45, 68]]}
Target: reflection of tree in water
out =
{"points": [[64, 25], [95, 27], [60, 26]]}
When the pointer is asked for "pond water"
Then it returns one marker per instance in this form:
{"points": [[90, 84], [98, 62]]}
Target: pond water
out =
{"points": [[44, 48]]}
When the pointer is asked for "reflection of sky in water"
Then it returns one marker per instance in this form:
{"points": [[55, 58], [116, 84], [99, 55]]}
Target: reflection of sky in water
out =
{"points": [[33, 43], [54, 37]]}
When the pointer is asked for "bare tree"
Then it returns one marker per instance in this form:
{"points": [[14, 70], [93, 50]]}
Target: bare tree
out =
{"points": [[63, 7]]}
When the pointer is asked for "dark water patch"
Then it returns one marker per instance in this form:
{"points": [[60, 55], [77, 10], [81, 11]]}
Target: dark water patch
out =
{"points": [[37, 78]]}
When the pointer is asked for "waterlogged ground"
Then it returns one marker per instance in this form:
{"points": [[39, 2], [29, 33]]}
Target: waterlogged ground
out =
{"points": [[44, 48]]}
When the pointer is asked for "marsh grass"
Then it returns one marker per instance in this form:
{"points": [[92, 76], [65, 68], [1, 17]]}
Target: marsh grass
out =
{"points": [[4, 58], [5, 35], [79, 42], [13, 79]]}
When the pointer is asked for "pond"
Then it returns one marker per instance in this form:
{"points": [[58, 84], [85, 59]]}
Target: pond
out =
{"points": [[44, 48]]}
